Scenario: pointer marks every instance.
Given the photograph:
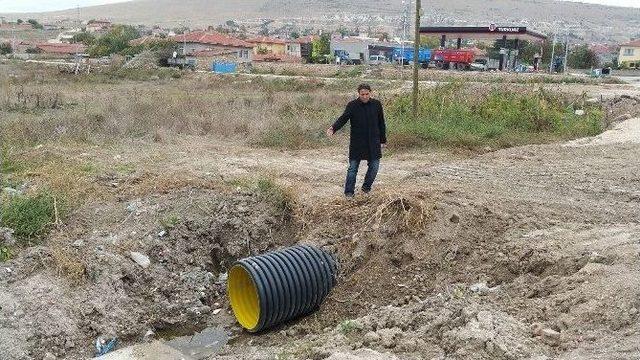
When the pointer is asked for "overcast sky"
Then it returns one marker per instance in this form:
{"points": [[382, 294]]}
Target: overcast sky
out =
{"points": [[48, 5]]}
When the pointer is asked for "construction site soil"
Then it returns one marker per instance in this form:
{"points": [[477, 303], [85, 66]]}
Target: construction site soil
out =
{"points": [[530, 252]]}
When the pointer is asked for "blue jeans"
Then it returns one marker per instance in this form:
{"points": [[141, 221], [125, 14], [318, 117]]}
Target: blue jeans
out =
{"points": [[352, 172]]}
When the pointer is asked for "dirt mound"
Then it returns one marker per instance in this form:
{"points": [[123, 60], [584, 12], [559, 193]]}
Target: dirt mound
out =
{"points": [[621, 108]]}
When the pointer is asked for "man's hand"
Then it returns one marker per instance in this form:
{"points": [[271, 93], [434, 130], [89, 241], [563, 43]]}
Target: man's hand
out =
{"points": [[330, 131]]}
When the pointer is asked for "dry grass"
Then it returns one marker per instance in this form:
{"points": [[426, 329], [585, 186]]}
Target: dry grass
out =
{"points": [[67, 262], [386, 213], [275, 113]]}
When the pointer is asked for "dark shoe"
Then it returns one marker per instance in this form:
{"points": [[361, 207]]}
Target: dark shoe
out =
{"points": [[366, 191], [348, 195]]}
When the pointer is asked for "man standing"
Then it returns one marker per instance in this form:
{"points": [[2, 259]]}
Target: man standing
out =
{"points": [[368, 137]]}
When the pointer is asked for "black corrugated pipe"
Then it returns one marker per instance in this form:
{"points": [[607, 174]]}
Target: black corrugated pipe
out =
{"points": [[278, 286]]}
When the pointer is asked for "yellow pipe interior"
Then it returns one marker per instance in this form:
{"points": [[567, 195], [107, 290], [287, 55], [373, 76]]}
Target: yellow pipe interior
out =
{"points": [[243, 296]]}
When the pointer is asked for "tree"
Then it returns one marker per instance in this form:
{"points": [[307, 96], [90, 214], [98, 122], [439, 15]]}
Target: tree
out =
{"points": [[581, 57], [320, 49], [294, 35], [115, 41], [35, 24], [431, 42], [84, 38], [5, 48], [19, 21]]}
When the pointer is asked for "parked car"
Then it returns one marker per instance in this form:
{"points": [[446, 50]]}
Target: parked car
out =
{"points": [[478, 65], [377, 60]]}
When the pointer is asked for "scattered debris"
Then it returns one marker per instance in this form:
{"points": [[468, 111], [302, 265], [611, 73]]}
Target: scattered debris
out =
{"points": [[140, 259], [103, 346], [480, 288]]}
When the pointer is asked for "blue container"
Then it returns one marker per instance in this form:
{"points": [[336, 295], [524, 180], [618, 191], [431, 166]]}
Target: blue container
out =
{"points": [[224, 67], [424, 54]]}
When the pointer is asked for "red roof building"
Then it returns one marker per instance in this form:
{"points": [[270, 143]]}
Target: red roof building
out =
{"points": [[211, 38], [61, 49], [266, 40], [201, 42]]}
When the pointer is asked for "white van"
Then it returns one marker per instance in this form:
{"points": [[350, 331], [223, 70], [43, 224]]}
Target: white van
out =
{"points": [[377, 59]]}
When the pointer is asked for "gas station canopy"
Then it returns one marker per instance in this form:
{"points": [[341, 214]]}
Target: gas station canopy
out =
{"points": [[483, 32]]}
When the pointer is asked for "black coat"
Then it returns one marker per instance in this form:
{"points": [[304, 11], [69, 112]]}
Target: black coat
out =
{"points": [[368, 130]]}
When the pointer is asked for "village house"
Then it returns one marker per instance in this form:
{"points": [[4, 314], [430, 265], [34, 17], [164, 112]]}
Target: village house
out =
{"points": [[300, 47], [59, 50], [209, 47], [356, 49], [98, 26], [606, 53], [629, 56], [267, 45]]}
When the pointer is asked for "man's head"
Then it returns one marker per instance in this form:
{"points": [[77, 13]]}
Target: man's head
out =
{"points": [[364, 92]]}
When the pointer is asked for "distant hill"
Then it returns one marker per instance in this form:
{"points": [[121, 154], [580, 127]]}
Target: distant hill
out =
{"points": [[595, 21]]}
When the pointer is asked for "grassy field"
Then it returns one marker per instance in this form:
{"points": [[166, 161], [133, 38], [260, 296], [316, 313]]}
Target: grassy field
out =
{"points": [[40, 107]]}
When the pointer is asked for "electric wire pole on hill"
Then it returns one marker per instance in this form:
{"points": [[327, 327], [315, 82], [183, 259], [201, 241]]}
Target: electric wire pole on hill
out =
{"points": [[416, 48]]}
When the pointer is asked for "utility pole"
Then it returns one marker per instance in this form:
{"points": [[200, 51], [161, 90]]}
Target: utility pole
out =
{"points": [[184, 45], [416, 49], [405, 18], [566, 52], [79, 29], [553, 52]]}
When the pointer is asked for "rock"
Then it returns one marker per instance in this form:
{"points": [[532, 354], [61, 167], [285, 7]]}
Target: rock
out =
{"points": [[49, 356], [148, 336], [78, 243], [140, 259], [388, 337], [536, 329], [579, 112], [216, 311], [595, 257], [133, 206], [561, 325], [162, 233], [551, 337], [371, 338], [6, 237], [480, 288], [222, 277], [455, 218]]}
